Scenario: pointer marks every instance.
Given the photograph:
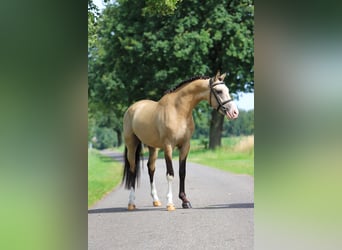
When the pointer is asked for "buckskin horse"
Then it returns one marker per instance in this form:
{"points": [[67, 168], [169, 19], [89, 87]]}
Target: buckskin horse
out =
{"points": [[167, 124]]}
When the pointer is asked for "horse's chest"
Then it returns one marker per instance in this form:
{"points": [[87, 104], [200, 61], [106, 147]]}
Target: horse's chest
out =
{"points": [[179, 130]]}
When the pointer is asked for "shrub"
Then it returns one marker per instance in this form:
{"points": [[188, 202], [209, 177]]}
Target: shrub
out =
{"points": [[105, 138]]}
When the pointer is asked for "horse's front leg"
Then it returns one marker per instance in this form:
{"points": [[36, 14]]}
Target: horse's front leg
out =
{"points": [[184, 150], [169, 176]]}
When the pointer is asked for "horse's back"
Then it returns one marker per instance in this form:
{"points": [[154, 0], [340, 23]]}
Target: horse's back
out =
{"points": [[140, 109]]}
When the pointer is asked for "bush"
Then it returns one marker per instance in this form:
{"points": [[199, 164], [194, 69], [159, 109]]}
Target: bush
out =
{"points": [[105, 138], [204, 141]]}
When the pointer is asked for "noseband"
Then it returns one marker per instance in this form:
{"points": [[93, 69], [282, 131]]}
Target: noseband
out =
{"points": [[213, 91]]}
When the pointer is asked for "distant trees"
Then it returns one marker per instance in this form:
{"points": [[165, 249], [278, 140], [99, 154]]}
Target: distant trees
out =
{"points": [[244, 125]]}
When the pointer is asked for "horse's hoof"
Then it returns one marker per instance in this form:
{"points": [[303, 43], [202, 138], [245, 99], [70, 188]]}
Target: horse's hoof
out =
{"points": [[170, 207], [186, 205], [131, 207], [157, 204]]}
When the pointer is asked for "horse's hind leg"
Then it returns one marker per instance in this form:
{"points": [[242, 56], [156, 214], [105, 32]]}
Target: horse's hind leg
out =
{"points": [[131, 170], [151, 164]]}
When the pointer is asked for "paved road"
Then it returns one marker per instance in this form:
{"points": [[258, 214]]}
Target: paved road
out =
{"points": [[221, 217]]}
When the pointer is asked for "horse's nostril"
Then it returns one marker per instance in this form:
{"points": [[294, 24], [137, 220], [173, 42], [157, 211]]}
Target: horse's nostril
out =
{"points": [[235, 113]]}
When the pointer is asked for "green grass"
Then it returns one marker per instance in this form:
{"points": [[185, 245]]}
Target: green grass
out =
{"points": [[104, 174], [229, 157], [239, 163]]}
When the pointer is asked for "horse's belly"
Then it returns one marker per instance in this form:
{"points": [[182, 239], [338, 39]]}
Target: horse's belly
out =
{"points": [[149, 138], [157, 135], [145, 128]]}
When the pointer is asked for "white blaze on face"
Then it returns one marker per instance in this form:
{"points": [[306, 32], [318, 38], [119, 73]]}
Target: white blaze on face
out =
{"points": [[223, 93]]}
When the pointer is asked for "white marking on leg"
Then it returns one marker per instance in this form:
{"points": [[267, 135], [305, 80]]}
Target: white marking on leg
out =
{"points": [[169, 192], [131, 198], [154, 192]]}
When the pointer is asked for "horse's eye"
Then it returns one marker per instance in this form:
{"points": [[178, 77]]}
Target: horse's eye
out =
{"points": [[219, 92]]}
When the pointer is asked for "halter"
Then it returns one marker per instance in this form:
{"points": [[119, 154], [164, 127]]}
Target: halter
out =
{"points": [[213, 91]]}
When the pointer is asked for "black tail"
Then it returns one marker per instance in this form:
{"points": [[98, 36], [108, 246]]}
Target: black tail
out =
{"points": [[129, 178]]}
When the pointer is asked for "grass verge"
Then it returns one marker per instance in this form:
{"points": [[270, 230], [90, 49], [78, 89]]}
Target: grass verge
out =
{"points": [[236, 155], [104, 174]]}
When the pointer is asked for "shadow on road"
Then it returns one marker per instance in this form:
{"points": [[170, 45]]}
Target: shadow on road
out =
{"points": [[121, 210], [124, 209], [234, 205]]}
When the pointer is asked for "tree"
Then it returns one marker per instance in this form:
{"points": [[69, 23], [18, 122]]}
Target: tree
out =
{"points": [[103, 109], [242, 126], [93, 13], [139, 55]]}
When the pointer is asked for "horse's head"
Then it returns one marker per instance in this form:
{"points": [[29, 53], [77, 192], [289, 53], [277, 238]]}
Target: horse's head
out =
{"points": [[220, 99]]}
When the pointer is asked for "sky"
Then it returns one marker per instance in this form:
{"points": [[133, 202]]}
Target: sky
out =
{"points": [[246, 100], [99, 3]]}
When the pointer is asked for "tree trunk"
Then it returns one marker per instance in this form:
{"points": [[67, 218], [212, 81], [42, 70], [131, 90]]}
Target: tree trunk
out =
{"points": [[119, 136], [216, 126]]}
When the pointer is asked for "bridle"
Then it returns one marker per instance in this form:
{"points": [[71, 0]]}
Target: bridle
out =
{"points": [[213, 91]]}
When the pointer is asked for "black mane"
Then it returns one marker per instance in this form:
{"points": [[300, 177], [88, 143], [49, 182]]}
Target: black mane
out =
{"points": [[185, 82]]}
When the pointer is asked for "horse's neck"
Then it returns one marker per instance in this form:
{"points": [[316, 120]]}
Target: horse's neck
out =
{"points": [[190, 95]]}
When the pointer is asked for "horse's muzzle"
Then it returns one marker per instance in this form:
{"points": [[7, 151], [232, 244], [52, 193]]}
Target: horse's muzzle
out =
{"points": [[233, 114]]}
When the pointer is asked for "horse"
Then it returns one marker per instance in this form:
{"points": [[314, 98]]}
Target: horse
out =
{"points": [[167, 124]]}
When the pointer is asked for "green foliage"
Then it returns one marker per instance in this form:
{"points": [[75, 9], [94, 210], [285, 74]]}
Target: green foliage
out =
{"points": [[93, 13], [105, 138], [138, 55], [204, 141], [91, 127], [244, 125], [201, 118], [160, 7]]}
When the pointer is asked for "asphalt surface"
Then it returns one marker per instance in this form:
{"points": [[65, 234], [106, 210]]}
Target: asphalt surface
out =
{"points": [[221, 217]]}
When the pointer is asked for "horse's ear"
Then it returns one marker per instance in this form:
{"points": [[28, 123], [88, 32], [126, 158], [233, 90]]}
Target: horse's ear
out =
{"points": [[223, 76], [217, 76]]}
